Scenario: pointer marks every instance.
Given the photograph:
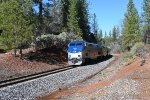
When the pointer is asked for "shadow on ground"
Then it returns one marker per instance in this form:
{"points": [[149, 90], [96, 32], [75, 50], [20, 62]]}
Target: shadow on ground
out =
{"points": [[99, 60], [92, 62], [51, 55], [2, 51]]}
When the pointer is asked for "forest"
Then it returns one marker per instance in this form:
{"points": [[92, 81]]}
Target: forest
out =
{"points": [[40, 24]]}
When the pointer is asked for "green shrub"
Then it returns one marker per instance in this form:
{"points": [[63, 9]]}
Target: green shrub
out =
{"points": [[115, 47], [49, 40], [128, 57], [139, 49]]}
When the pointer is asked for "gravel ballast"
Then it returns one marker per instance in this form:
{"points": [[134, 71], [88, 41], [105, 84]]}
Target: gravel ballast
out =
{"points": [[122, 89], [42, 86]]}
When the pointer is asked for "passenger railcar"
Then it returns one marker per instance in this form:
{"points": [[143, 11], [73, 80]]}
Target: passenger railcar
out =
{"points": [[81, 51]]}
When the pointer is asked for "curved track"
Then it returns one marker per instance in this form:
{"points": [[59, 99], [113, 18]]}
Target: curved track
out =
{"points": [[25, 78]]}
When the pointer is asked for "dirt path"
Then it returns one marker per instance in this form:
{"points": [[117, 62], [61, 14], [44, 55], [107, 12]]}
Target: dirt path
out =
{"points": [[143, 77], [95, 90]]}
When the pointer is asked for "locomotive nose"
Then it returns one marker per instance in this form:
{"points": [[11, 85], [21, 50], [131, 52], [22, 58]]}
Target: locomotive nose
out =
{"points": [[75, 55]]}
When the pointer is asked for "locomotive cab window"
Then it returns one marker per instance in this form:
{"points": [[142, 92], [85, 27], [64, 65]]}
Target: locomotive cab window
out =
{"points": [[72, 44], [90, 45], [79, 44], [85, 44]]}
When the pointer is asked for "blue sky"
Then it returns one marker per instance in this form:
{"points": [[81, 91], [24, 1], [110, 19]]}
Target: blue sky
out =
{"points": [[110, 13]]}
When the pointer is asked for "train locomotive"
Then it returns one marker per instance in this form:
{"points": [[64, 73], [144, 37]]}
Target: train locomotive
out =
{"points": [[80, 51]]}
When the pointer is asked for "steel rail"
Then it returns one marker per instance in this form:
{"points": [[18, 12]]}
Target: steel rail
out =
{"points": [[25, 78]]}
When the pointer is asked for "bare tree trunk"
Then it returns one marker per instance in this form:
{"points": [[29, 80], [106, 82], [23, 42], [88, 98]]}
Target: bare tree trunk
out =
{"points": [[15, 51], [40, 11], [40, 16], [21, 52]]}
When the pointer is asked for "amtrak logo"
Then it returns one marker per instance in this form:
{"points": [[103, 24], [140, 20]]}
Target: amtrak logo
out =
{"points": [[74, 48]]}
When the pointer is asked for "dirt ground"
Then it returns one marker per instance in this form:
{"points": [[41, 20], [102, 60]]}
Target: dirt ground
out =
{"points": [[96, 89], [32, 62], [142, 75]]}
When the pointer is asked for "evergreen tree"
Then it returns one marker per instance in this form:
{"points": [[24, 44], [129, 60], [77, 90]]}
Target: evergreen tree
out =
{"points": [[105, 34], [107, 39], [110, 34], [64, 12], [83, 18], [99, 37], [52, 17], [131, 27], [15, 23], [101, 34], [114, 34], [39, 17], [117, 32], [146, 18], [73, 20], [94, 24], [40, 3]]}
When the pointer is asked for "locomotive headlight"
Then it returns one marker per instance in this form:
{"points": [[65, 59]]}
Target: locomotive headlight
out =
{"points": [[79, 56]]}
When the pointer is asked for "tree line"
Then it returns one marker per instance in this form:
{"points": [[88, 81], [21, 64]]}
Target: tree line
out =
{"points": [[21, 21], [135, 28]]}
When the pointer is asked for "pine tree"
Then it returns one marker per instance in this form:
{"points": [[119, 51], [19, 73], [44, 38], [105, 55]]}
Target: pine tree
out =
{"points": [[94, 24], [117, 32], [105, 34], [40, 3], [99, 37], [15, 23], [114, 34], [146, 18], [101, 34], [64, 12], [82, 7], [39, 17], [107, 39], [131, 27], [110, 34], [52, 17], [73, 19]]}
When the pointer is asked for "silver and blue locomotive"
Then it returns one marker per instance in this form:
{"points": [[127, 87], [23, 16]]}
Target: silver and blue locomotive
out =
{"points": [[81, 51]]}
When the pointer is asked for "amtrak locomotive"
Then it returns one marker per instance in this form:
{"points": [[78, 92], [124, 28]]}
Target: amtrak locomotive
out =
{"points": [[81, 51]]}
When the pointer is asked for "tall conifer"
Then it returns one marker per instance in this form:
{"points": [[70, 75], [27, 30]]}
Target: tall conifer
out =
{"points": [[146, 18], [83, 18], [131, 27], [64, 12], [114, 34], [73, 20], [15, 23]]}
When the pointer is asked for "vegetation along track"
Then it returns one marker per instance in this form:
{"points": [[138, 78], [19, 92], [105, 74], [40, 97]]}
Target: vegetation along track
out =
{"points": [[17, 80]]}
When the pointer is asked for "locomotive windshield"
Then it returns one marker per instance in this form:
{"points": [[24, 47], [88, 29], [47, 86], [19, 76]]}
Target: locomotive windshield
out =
{"points": [[79, 44], [72, 44], [76, 44]]}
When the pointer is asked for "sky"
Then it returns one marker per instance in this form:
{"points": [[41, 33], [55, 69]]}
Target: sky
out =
{"points": [[110, 13]]}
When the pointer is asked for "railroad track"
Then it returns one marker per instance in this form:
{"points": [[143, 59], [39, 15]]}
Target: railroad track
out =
{"points": [[25, 78]]}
